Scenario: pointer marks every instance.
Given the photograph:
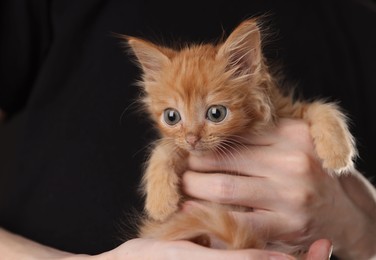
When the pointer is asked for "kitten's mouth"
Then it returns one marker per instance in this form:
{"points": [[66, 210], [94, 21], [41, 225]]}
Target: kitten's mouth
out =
{"points": [[193, 149], [197, 150]]}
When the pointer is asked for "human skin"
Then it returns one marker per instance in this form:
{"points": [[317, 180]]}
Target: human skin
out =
{"points": [[292, 197], [16, 247]]}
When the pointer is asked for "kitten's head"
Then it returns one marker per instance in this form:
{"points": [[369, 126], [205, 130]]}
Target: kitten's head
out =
{"points": [[204, 96]]}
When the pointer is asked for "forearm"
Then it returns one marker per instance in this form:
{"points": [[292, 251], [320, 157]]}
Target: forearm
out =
{"points": [[16, 247], [361, 241]]}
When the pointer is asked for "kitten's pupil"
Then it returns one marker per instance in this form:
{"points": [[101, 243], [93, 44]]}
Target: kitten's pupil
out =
{"points": [[171, 116], [216, 113]]}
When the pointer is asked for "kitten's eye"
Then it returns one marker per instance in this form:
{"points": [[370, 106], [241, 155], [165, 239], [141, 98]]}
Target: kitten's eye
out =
{"points": [[171, 116], [216, 113]]}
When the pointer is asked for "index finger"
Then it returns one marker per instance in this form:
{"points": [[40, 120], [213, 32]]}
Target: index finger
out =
{"points": [[320, 250], [285, 129], [194, 251], [229, 189]]}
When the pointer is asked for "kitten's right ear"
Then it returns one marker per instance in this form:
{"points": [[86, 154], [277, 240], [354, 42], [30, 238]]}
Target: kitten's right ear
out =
{"points": [[151, 57], [242, 49]]}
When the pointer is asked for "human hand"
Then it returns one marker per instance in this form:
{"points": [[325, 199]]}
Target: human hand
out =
{"points": [[279, 176], [13, 246], [158, 249]]}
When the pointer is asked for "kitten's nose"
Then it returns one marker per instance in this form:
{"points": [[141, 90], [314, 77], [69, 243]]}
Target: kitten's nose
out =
{"points": [[192, 139]]}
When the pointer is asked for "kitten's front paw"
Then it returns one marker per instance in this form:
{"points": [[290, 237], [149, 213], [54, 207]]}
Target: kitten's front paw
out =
{"points": [[336, 158], [333, 141], [162, 205], [337, 164]]}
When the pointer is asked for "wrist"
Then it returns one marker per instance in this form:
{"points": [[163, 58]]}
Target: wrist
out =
{"points": [[359, 247], [13, 246], [358, 238]]}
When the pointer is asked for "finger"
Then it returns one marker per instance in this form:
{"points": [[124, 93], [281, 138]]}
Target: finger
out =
{"points": [[253, 192], [248, 161], [260, 222], [286, 129], [255, 254], [269, 224], [320, 250], [194, 251]]}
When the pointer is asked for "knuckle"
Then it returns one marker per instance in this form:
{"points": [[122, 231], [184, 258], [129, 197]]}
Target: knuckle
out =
{"points": [[298, 131], [293, 127], [302, 226], [303, 197], [301, 162], [306, 199], [303, 129], [224, 189]]}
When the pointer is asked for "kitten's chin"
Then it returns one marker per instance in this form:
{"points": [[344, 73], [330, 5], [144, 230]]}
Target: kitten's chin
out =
{"points": [[197, 151]]}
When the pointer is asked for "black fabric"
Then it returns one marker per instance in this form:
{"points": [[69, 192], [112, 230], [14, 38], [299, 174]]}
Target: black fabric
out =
{"points": [[79, 157]]}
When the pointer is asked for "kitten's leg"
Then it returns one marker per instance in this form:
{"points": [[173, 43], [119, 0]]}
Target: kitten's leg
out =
{"points": [[333, 140], [161, 182]]}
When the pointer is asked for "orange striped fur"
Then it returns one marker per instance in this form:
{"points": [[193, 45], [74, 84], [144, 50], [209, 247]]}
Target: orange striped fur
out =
{"points": [[233, 74]]}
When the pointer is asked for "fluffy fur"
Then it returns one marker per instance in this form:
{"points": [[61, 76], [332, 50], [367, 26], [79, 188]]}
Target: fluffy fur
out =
{"points": [[232, 74]]}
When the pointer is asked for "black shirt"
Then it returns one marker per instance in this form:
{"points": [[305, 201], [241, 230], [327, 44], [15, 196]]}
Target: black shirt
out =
{"points": [[81, 143]]}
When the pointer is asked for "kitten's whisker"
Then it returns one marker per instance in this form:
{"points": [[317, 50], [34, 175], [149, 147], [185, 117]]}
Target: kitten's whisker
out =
{"points": [[224, 156], [170, 142], [237, 144], [229, 149], [136, 105], [230, 161], [222, 152], [218, 150], [150, 146], [238, 139], [237, 147]]}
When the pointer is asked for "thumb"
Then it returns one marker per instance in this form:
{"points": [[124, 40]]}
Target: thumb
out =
{"points": [[320, 250]]}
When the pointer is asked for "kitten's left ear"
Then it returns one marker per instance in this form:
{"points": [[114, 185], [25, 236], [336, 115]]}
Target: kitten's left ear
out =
{"points": [[242, 49], [150, 56]]}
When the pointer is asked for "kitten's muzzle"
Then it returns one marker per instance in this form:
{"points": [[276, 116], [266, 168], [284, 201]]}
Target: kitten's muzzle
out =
{"points": [[192, 140]]}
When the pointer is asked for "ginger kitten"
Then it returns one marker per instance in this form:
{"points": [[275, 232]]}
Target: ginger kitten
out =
{"points": [[201, 98]]}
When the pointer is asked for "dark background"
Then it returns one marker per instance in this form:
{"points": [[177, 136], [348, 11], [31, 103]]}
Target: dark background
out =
{"points": [[327, 48]]}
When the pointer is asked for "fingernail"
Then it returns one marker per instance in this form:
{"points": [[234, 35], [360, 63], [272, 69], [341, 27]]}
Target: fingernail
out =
{"points": [[331, 251], [277, 256]]}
